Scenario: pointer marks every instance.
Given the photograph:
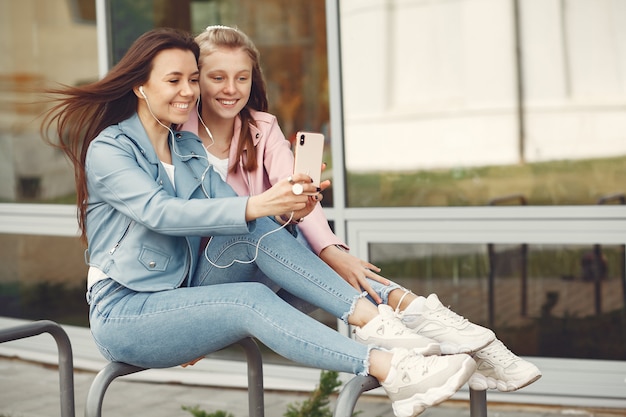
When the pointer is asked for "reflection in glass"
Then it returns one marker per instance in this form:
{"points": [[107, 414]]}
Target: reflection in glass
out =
{"points": [[459, 103], [551, 183], [47, 43], [43, 277], [290, 35], [56, 45], [541, 300]]}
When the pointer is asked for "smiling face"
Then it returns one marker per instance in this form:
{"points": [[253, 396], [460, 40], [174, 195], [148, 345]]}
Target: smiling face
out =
{"points": [[225, 82], [172, 88]]}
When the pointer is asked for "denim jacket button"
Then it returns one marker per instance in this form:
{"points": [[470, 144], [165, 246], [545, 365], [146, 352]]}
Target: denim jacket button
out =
{"points": [[152, 264]]}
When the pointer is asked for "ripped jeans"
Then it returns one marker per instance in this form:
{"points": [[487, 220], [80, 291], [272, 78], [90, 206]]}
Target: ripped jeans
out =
{"points": [[223, 304], [382, 290]]}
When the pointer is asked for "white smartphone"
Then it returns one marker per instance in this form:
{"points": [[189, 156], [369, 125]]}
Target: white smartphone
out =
{"points": [[308, 150]]}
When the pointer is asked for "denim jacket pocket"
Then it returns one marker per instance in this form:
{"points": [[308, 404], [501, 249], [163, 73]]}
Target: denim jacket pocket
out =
{"points": [[153, 259]]}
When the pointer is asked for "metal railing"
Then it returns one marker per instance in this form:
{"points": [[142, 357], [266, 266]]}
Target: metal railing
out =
{"points": [[66, 362]]}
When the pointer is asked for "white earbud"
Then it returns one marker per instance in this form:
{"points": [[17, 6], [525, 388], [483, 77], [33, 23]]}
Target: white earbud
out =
{"points": [[142, 93]]}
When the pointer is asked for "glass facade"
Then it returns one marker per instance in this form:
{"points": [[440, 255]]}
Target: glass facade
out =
{"points": [[44, 43], [55, 41], [290, 36], [445, 104], [564, 301], [461, 103], [43, 278]]}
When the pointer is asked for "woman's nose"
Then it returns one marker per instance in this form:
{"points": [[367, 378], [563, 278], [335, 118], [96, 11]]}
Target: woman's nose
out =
{"points": [[189, 90], [229, 86]]}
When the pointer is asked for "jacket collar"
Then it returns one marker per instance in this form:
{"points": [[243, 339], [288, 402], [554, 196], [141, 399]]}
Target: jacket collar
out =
{"points": [[134, 130], [254, 131]]}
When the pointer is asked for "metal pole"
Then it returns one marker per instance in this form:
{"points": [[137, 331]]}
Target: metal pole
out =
{"points": [[517, 36], [256, 405], [478, 403]]}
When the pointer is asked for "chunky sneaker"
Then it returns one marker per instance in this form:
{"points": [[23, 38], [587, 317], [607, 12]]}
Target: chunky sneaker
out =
{"points": [[499, 368], [387, 331], [454, 333], [416, 382]]}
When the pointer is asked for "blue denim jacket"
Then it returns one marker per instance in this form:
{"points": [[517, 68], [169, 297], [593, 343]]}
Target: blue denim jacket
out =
{"points": [[142, 231]]}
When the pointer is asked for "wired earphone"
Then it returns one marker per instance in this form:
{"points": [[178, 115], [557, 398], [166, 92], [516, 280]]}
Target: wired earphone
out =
{"points": [[206, 194], [202, 177]]}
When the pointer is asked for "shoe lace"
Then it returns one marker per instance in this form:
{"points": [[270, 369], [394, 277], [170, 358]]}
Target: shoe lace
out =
{"points": [[450, 317], [417, 362], [500, 353], [441, 312], [396, 326]]}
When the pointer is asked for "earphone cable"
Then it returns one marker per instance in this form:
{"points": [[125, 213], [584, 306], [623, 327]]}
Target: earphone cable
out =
{"points": [[256, 251]]}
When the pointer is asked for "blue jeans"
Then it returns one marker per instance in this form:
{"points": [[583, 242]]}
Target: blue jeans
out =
{"points": [[224, 305]]}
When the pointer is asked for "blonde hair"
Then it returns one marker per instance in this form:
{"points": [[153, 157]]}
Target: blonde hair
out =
{"points": [[216, 37]]}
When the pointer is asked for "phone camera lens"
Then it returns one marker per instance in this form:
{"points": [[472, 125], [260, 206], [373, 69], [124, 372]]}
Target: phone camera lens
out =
{"points": [[301, 139]]}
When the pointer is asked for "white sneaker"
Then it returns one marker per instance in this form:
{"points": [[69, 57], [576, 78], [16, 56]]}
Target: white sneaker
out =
{"points": [[499, 368], [416, 382], [454, 333], [387, 331]]}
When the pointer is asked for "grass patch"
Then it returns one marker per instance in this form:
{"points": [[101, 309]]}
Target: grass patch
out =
{"points": [[581, 182]]}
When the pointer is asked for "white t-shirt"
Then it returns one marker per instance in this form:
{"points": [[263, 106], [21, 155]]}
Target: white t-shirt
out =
{"points": [[220, 165], [169, 169]]}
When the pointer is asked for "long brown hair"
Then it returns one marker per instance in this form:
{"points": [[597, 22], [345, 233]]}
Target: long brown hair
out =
{"points": [[215, 37], [81, 113]]}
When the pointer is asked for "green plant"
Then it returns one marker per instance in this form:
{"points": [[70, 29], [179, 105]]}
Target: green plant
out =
{"points": [[197, 412], [317, 404]]}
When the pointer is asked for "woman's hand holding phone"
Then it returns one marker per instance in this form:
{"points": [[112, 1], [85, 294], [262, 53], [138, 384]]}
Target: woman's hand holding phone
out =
{"points": [[300, 193], [308, 153], [281, 200]]}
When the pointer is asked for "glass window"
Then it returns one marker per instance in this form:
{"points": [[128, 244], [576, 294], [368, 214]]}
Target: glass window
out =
{"points": [[44, 43], [458, 103], [55, 41], [43, 277], [290, 35], [563, 301]]}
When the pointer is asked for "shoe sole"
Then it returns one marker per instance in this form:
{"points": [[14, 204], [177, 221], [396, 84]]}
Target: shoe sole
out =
{"points": [[479, 382], [433, 349], [416, 404], [448, 348]]}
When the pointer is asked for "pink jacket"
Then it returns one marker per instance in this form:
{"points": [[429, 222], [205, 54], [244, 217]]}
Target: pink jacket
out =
{"points": [[275, 161]]}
